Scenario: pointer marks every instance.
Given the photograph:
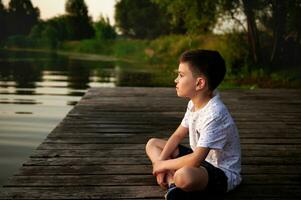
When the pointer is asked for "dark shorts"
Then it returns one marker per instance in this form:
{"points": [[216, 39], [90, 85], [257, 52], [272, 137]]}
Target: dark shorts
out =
{"points": [[217, 183]]}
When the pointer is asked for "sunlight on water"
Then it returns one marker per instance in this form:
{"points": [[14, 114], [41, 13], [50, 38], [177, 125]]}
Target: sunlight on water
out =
{"points": [[36, 92]]}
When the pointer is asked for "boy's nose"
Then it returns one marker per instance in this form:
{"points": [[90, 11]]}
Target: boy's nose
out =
{"points": [[176, 80]]}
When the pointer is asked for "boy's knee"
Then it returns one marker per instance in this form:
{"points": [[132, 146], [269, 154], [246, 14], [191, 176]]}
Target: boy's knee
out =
{"points": [[151, 143], [183, 178]]}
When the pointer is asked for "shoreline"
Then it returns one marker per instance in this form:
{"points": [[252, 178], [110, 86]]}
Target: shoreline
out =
{"points": [[70, 54]]}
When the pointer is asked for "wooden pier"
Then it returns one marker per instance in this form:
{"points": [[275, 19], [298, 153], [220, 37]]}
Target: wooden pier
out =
{"points": [[97, 151]]}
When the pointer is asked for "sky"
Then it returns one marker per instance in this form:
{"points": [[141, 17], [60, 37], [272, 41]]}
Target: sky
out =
{"points": [[51, 8]]}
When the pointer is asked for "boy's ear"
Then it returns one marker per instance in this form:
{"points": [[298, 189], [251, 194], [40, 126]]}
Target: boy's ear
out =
{"points": [[201, 83]]}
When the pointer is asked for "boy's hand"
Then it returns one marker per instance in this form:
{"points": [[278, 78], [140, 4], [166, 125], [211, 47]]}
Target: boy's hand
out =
{"points": [[161, 180], [158, 167]]}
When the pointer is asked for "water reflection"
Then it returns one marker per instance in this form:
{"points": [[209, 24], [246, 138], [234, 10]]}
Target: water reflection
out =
{"points": [[24, 73], [38, 89]]}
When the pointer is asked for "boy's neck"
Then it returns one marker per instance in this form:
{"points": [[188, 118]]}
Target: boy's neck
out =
{"points": [[201, 99]]}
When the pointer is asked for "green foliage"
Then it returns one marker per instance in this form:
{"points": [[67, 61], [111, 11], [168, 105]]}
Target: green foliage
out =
{"points": [[130, 49], [50, 36], [19, 41], [233, 47], [103, 29], [121, 48], [198, 16], [273, 29], [46, 35], [79, 24], [87, 46], [3, 14], [76, 8], [22, 17], [140, 19]]}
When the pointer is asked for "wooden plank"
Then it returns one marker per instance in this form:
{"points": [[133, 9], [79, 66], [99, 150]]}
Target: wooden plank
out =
{"points": [[137, 152], [142, 146], [142, 160], [138, 140], [142, 169], [93, 192], [120, 192], [129, 179]]}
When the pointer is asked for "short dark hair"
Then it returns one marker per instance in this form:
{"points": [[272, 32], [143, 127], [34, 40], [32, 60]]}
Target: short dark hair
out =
{"points": [[207, 62]]}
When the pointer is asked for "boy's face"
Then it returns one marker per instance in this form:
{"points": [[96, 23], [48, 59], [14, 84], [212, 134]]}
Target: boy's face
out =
{"points": [[186, 81]]}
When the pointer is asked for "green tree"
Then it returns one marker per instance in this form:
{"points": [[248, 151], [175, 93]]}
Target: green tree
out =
{"points": [[22, 17], [55, 23], [273, 28], [197, 16], [2, 21], [78, 22], [50, 36], [61, 24], [141, 19], [103, 29]]}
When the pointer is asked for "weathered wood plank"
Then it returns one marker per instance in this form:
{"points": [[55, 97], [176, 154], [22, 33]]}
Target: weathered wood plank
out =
{"points": [[142, 146], [120, 192], [142, 169], [138, 140], [129, 179], [141, 152], [93, 192], [142, 160]]}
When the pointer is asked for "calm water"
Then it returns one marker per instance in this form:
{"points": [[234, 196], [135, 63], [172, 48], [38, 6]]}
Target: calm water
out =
{"points": [[38, 89]]}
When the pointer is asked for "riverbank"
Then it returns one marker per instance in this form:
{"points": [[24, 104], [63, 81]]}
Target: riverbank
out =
{"points": [[162, 53]]}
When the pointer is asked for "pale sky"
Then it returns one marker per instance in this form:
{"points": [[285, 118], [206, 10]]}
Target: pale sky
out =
{"points": [[51, 8]]}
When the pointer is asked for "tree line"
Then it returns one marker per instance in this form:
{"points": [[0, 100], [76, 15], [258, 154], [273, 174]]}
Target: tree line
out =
{"points": [[271, 27], [22, 19]]}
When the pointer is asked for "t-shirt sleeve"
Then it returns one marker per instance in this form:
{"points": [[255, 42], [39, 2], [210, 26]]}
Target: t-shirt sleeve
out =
{"points": [[185, 121], [213, 134]]}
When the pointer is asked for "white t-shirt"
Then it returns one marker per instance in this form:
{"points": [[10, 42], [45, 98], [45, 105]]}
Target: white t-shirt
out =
{"points": [[212, 126]]}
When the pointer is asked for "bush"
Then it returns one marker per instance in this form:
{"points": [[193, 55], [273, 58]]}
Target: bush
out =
{"points": [[131, 49], [103, 29], [19, 41], [232, 47]]}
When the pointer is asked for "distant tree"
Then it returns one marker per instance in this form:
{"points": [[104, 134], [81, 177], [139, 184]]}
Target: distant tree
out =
{"points": [[141, 19], [2, 21], [36, 30], [51, 32], [197, 16], [61, 24], [249, 8], [78, 22], [277, 21], [50, 36], [47, 34], [22, 17], [286, 28], [103, 29]]}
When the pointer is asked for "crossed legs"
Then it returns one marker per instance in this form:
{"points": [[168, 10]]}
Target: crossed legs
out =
{"points": [[186, 178]]}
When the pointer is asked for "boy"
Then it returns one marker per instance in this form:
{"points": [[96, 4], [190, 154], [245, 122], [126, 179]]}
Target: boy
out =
{"points": [[213, 163]]}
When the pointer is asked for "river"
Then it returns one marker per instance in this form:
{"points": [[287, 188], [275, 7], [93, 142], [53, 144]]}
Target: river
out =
{"points": [[38, 89]]}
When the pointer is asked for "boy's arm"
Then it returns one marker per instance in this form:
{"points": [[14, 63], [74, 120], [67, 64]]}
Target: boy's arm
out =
{"points": [[173, 142], [191, 160]]}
